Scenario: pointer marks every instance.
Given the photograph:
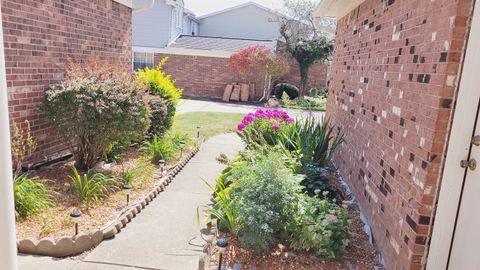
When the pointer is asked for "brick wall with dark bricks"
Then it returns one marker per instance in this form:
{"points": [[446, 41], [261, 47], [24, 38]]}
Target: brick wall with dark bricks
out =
{"points": [[202, 76], [40, 37], [392, 87]]}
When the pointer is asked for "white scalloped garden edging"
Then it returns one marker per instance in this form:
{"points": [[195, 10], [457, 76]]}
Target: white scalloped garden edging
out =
{"points": [[73, 245]]}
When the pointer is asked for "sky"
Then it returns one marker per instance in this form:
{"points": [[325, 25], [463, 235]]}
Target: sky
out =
{"points": [[202, 7]]}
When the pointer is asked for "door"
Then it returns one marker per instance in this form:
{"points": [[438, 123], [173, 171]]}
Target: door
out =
{"points": [[456, 227], [465, 251]]}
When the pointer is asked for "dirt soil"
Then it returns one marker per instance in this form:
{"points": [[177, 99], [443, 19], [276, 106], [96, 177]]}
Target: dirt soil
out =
{"points": [[56, 222]]}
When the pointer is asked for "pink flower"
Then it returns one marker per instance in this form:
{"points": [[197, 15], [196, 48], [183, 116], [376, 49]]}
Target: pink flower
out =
{"points": [[241, 126], [289, 120], [276, 127], [331, 218]]}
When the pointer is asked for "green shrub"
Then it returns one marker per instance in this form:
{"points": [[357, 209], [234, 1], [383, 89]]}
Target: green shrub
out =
{"points": [[264, 195], [159, 83], [314, 92], [314, 140], [158, 148], [91, 187], [95, 105], [291, 90], [31, 196], [306, 103], [320, 226], [162, 113]]}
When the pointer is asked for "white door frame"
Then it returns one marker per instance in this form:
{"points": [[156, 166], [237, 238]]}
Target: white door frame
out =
{"points": [[458, 149], [8, 242]]}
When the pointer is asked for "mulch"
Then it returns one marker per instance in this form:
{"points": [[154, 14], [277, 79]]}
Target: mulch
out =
{"points": [[56, 222]]}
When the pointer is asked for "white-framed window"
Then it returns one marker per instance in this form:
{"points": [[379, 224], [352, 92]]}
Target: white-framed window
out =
{"points": [[143, 60]]}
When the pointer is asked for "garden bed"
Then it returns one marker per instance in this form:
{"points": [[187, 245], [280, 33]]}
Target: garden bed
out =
{"points": [[280, 202], [359, 254], [56, 221]]}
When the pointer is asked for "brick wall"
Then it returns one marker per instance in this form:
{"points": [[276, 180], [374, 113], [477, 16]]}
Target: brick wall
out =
{"points": [[202, 76], [392, 87], [40, 36]]}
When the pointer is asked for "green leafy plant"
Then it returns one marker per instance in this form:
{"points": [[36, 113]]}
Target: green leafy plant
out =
{"points": [[224, 209], [158, 148], [115, 150], [91, 187], [306, 51], [265, 194], [31, 196], [128, 177], [95, 105], [306, 103], [320, 226], [159, 83], [315, 141]]}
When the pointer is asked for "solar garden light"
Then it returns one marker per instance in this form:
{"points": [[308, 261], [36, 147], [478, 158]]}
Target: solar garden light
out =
{"points": [[198, 132], [162, 166], [76, 214], [182, 145], [222, 245], [128, 190]]}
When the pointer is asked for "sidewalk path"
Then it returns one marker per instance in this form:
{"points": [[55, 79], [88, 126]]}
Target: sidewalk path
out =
{"points": [[192, 105], [166, 234]]}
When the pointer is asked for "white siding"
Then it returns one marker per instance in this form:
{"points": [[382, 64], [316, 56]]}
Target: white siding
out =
{"points": [[245, 22], [151, 28]]}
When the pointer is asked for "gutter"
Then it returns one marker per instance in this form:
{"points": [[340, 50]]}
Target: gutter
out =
{"points": [[145, 7]]}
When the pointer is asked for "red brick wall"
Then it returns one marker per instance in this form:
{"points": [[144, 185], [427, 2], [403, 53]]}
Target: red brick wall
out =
{"points": [[392, 87], [40, 36], [202, 76]]}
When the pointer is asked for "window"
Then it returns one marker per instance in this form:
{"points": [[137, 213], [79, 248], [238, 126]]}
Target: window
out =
{"points": [[143, 60]]}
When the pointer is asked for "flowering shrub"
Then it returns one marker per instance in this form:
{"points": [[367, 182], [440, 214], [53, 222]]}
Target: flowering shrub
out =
{"points": [[321, 226], [264, 127], [95, 105]]}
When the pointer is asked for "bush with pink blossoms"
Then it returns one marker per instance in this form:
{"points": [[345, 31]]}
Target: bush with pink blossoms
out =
{"points": [[264, 127]]}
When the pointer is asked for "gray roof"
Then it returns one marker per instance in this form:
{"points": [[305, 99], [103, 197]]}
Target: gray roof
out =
{"points": [[219, 43]]}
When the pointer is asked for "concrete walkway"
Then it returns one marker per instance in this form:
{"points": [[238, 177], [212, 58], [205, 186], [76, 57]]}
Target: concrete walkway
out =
{"points": [[166, 234], [191, 105]]}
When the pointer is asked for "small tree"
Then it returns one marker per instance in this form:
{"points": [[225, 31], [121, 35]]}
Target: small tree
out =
{"points": [[302, 38], [95, 105], [252, 61]]}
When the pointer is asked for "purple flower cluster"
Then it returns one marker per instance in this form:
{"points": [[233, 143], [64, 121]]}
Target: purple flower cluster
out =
{"points": [[266, 114]]}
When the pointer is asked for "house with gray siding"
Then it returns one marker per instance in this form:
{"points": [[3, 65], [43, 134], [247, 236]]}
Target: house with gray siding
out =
{"points": [[249, 20], [157, 27]]}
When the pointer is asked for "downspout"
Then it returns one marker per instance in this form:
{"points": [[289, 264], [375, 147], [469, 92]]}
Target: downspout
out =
{"points": [[8, 243], [147, 6]]}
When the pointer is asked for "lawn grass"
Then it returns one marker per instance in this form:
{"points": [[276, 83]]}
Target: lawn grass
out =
{"points": [[210, 123]]}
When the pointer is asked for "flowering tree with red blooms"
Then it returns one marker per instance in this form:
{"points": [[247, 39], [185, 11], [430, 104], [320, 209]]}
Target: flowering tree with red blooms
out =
{"points": [[251, 61]]}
